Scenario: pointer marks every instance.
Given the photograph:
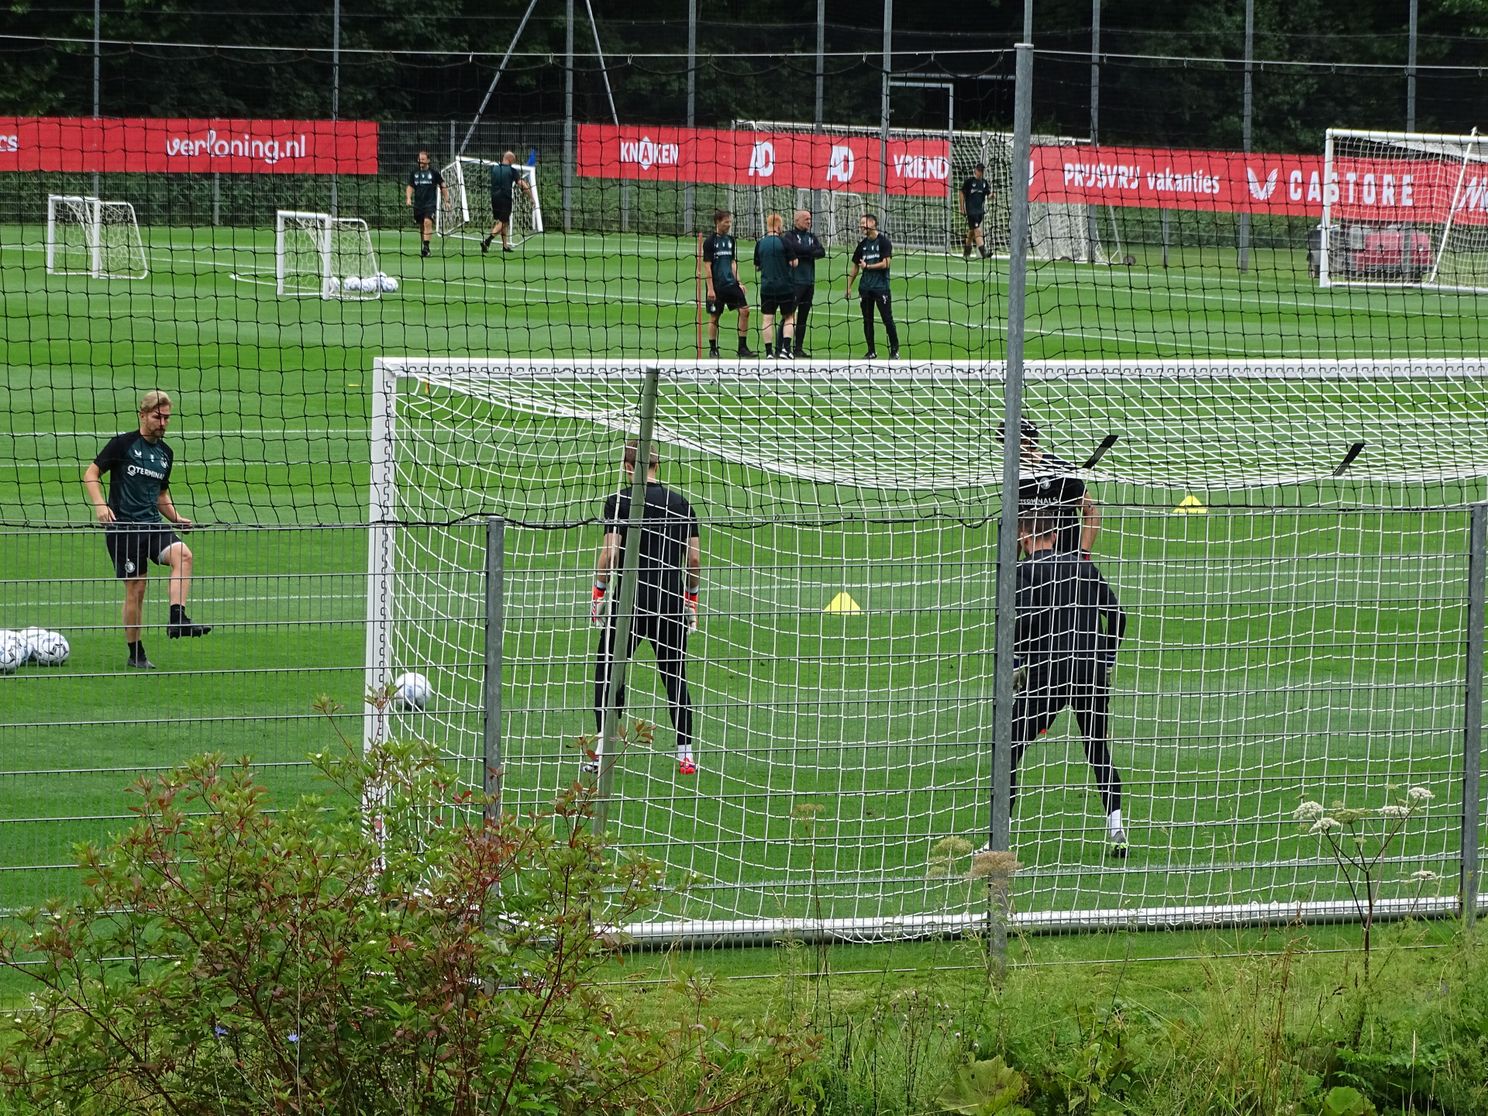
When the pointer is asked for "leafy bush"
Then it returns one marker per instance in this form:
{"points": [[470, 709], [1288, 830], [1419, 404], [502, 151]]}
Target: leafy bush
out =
{"points": [[228, 958]]}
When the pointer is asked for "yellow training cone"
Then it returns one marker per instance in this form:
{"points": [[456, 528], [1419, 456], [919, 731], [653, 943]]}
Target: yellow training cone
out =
{"points": [[1190, 505], [842, 603]]}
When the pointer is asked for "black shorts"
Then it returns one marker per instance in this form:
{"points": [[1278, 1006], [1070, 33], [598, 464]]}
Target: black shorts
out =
{"points": [[784, 305], [974, 220], [729, 298], [501, 209], [422, 215], [133, 545]]}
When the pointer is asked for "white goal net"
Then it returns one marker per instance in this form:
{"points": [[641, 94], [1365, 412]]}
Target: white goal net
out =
{"points": [[468, 212], [1403, 209], [91, 236], [842, 675], [317, 255], [923, 222]]}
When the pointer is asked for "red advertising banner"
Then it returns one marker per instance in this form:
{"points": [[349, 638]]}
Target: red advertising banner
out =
{"points": [[187, 146], [1359, 189], [793, 159]]}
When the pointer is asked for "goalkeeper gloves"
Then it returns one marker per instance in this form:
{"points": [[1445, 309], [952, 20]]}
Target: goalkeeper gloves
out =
{"points": [[596, 605], [692, 610]]}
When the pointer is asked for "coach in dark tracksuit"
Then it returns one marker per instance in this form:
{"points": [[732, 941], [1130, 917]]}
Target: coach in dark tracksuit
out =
{"points": [[808, 248], [1069, 625]]}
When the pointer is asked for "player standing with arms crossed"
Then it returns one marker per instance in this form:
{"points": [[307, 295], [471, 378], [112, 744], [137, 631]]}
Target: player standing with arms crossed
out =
{"points": [[720, 271], [423, 192], [872, 257], [808, 249], [666, 598], [505, 175], [139, 466]]}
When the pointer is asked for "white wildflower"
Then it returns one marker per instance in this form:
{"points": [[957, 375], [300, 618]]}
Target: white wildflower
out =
{"points": [[1424, 876], [1309, 812], [1418, 796], [1394, 811], [1325, 824]]}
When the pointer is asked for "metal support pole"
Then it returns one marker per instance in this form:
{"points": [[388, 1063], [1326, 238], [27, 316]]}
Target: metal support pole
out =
{"points": [[689, 191], [623, 617], [97, 72], [1247, 112], [821, 84], [568, 115], [495, 630], [1472, 720], [501, 69], [883, 145], [1410, 67], [1007, 535], [1092, 218], [335, 84], [604, 73]]}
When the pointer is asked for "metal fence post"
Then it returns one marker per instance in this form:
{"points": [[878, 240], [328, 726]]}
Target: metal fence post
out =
{"points": [[1472, 719], [495, 629]]}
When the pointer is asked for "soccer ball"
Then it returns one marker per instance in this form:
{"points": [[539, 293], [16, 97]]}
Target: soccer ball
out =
{"points": [[13, 651], [47, 648], [411, 691], [332, 287], [352, 283], [386, 281]]}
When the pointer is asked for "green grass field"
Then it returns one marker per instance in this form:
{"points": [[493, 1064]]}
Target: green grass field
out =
{"points": [[1274, 654]]}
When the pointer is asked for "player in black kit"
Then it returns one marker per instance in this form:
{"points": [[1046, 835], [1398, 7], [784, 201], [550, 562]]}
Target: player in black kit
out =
{"points": [[134, 521], [1079, 514], [666, 599], [872, 257], [719, 267], [1068, 628], [425, 188], [974, 194]]}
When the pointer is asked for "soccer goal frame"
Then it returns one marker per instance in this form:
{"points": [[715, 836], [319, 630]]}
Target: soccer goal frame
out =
{"points": [[95, 237], [1403, 209], [317, 255], [467, 219], [842, 669], [1056, 231]]}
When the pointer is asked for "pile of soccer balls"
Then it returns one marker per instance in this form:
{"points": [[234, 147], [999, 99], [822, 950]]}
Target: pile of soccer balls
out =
{"points": [[370, 284], [31, 645]]}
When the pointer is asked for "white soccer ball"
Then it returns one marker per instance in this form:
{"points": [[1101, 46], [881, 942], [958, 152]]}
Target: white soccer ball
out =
{"points": [[332, 286], [13, 651], [47, 648], [411, 691], [386, 281]]}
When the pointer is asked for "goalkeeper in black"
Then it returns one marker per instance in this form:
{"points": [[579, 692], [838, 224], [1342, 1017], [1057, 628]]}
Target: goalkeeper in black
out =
{"points": [[666, 597], [1069, 625]]}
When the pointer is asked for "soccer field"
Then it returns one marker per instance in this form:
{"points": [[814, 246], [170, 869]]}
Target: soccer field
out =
{"points": [[1283, 644]]}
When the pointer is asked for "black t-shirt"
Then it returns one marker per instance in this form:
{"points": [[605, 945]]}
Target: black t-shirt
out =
{"points": [[426, 182], [872, 250], [975, 191], [1050, 485], [808, 249], [668, 525], [718, 251], [504, 179], [138, 471], [1069, 622]]}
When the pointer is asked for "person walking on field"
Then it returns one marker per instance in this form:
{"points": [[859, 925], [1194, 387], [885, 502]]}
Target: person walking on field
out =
{"points": [[505, 175], [138, 464]]}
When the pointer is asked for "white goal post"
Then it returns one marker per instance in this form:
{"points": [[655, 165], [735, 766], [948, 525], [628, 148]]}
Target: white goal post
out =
{"points": [[92, 236], [841, 677], [467, 214], [320, 256], [928, 223], [1403, 209]]}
